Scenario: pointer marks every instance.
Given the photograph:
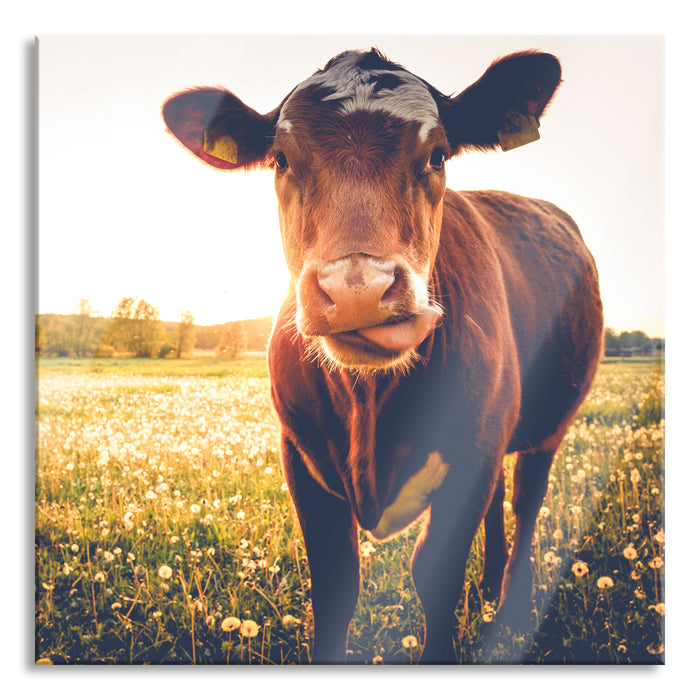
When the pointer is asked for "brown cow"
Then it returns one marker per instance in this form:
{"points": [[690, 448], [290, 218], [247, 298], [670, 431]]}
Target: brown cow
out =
{"points": [[427, 332]]}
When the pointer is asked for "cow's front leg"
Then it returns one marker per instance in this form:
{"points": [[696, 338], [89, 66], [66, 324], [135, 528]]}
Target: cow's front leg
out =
{"points": [[441, 553], [530, 481], [330, 537]]}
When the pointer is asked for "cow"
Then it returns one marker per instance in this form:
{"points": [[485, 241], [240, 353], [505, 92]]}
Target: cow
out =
{"points": [[426, 334]]}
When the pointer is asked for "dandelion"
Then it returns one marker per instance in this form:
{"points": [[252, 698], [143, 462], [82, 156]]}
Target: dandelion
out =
{"points": [[660, 536], [74, 548], [240, 515], [367, 548], [249, 628], [99, 577], [409, 642], [629, 552], [165, 572], [108, 556], [378, 660], [195, 508], [544, 512], [580, 568], [604, 582], [656, 563], [228, 624], [634, 476], [174, 539], [129, 520], [274, 569], [289, 621], [659, 608]]}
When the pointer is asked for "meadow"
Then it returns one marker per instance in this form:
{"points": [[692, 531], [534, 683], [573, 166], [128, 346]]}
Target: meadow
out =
{"points": [[164, 532]]}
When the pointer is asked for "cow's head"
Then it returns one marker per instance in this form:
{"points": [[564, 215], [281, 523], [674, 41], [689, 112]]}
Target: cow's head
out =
{"points": [[359, 151]]}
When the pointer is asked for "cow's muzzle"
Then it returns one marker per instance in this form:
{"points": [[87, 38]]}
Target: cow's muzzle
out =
{"points": [[363, 302]]}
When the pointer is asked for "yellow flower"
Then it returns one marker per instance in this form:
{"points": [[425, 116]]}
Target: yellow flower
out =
{"points": [[629, 552], [605, 582], [228, 624], [289, 621], [409, 642], [580, 568], [249, 628]]}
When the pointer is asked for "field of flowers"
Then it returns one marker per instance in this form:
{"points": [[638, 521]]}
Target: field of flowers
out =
{"points": [[165, 533]]}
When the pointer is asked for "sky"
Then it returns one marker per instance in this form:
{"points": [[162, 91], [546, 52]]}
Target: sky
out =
{"points": [[124, 210]]}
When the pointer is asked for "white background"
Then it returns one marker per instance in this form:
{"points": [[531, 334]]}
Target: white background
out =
{"points": [[22, 21]]}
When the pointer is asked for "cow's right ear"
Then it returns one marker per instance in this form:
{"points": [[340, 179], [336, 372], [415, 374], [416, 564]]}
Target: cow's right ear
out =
{"points": [[220, 129]]}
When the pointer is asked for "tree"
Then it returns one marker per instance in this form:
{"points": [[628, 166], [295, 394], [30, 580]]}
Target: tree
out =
{"points": [[39, 337], [233, 340], [135, 327], [186, 334], [612, 343], [84, 329]]}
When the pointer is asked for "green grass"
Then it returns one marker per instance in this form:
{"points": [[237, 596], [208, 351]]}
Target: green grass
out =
{"points": [[162, 519]]}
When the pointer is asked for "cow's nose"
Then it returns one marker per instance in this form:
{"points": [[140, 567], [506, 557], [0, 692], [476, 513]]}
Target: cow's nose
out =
{"points": [[356, 285], [353, 293]]}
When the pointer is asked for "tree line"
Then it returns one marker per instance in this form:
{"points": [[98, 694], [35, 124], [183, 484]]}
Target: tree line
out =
{"points": [[135, 329], [629, 343]]}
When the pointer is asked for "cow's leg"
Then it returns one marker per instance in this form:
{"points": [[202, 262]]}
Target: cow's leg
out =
{"points": [[495, 544], [330, 537], [440, 557], [530, 480]]}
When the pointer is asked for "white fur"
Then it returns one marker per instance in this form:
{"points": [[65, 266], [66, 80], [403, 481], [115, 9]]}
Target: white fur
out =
{"points": [[354, 87]]}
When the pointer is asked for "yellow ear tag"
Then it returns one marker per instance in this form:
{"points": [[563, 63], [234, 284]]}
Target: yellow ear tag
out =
{"points": [[224, 148], [518, 130]]}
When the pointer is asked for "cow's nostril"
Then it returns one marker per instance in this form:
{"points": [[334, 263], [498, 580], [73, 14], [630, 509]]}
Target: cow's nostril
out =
{"points": [[396, 291]]}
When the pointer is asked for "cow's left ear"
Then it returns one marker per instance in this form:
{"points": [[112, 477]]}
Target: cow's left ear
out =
{"points": [[504, 106], [219, 128]]}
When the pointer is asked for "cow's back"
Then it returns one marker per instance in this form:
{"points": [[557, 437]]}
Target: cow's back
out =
{"points": [[551, 287]]}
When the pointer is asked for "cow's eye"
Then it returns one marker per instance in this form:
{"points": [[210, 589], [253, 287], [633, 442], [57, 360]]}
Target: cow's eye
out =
{"points": [[281, 161], [437, 159]]}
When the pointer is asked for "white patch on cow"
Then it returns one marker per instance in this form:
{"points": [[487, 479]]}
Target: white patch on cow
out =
{"points": [[355, 88], [285, 125], [413, 497]]}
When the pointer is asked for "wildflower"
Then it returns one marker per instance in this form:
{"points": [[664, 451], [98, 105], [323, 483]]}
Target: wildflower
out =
{"points": [[544, 512], [377, 660], [228, 624], [274, 569], [129, 520], [655, 649], [549, 557], [656, 563], [174, 539], [151, 495], [409, 642], [604, 582], [195, 508], [165, 571], [289, 621], [99, 577], [660, 536], [660, 608], [366, 548], [211, 552], [634, 476], [108, 556], [240, 515], [580, 568], [629, 552], [249, 628], [74, 548]]}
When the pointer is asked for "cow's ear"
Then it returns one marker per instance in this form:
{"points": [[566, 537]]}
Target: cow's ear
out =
{"points": [[220, 129], [504, 106]]}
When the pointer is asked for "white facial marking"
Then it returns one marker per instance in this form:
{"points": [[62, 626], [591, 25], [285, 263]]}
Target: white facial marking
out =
{"points": [[413, 497], [355, 88]]}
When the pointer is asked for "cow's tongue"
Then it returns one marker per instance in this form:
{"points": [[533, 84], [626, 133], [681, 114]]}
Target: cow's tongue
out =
{"points": [[405, 335]]}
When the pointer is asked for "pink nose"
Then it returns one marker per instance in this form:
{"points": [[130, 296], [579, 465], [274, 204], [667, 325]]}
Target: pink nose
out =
{"points": [[351, 293]]}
